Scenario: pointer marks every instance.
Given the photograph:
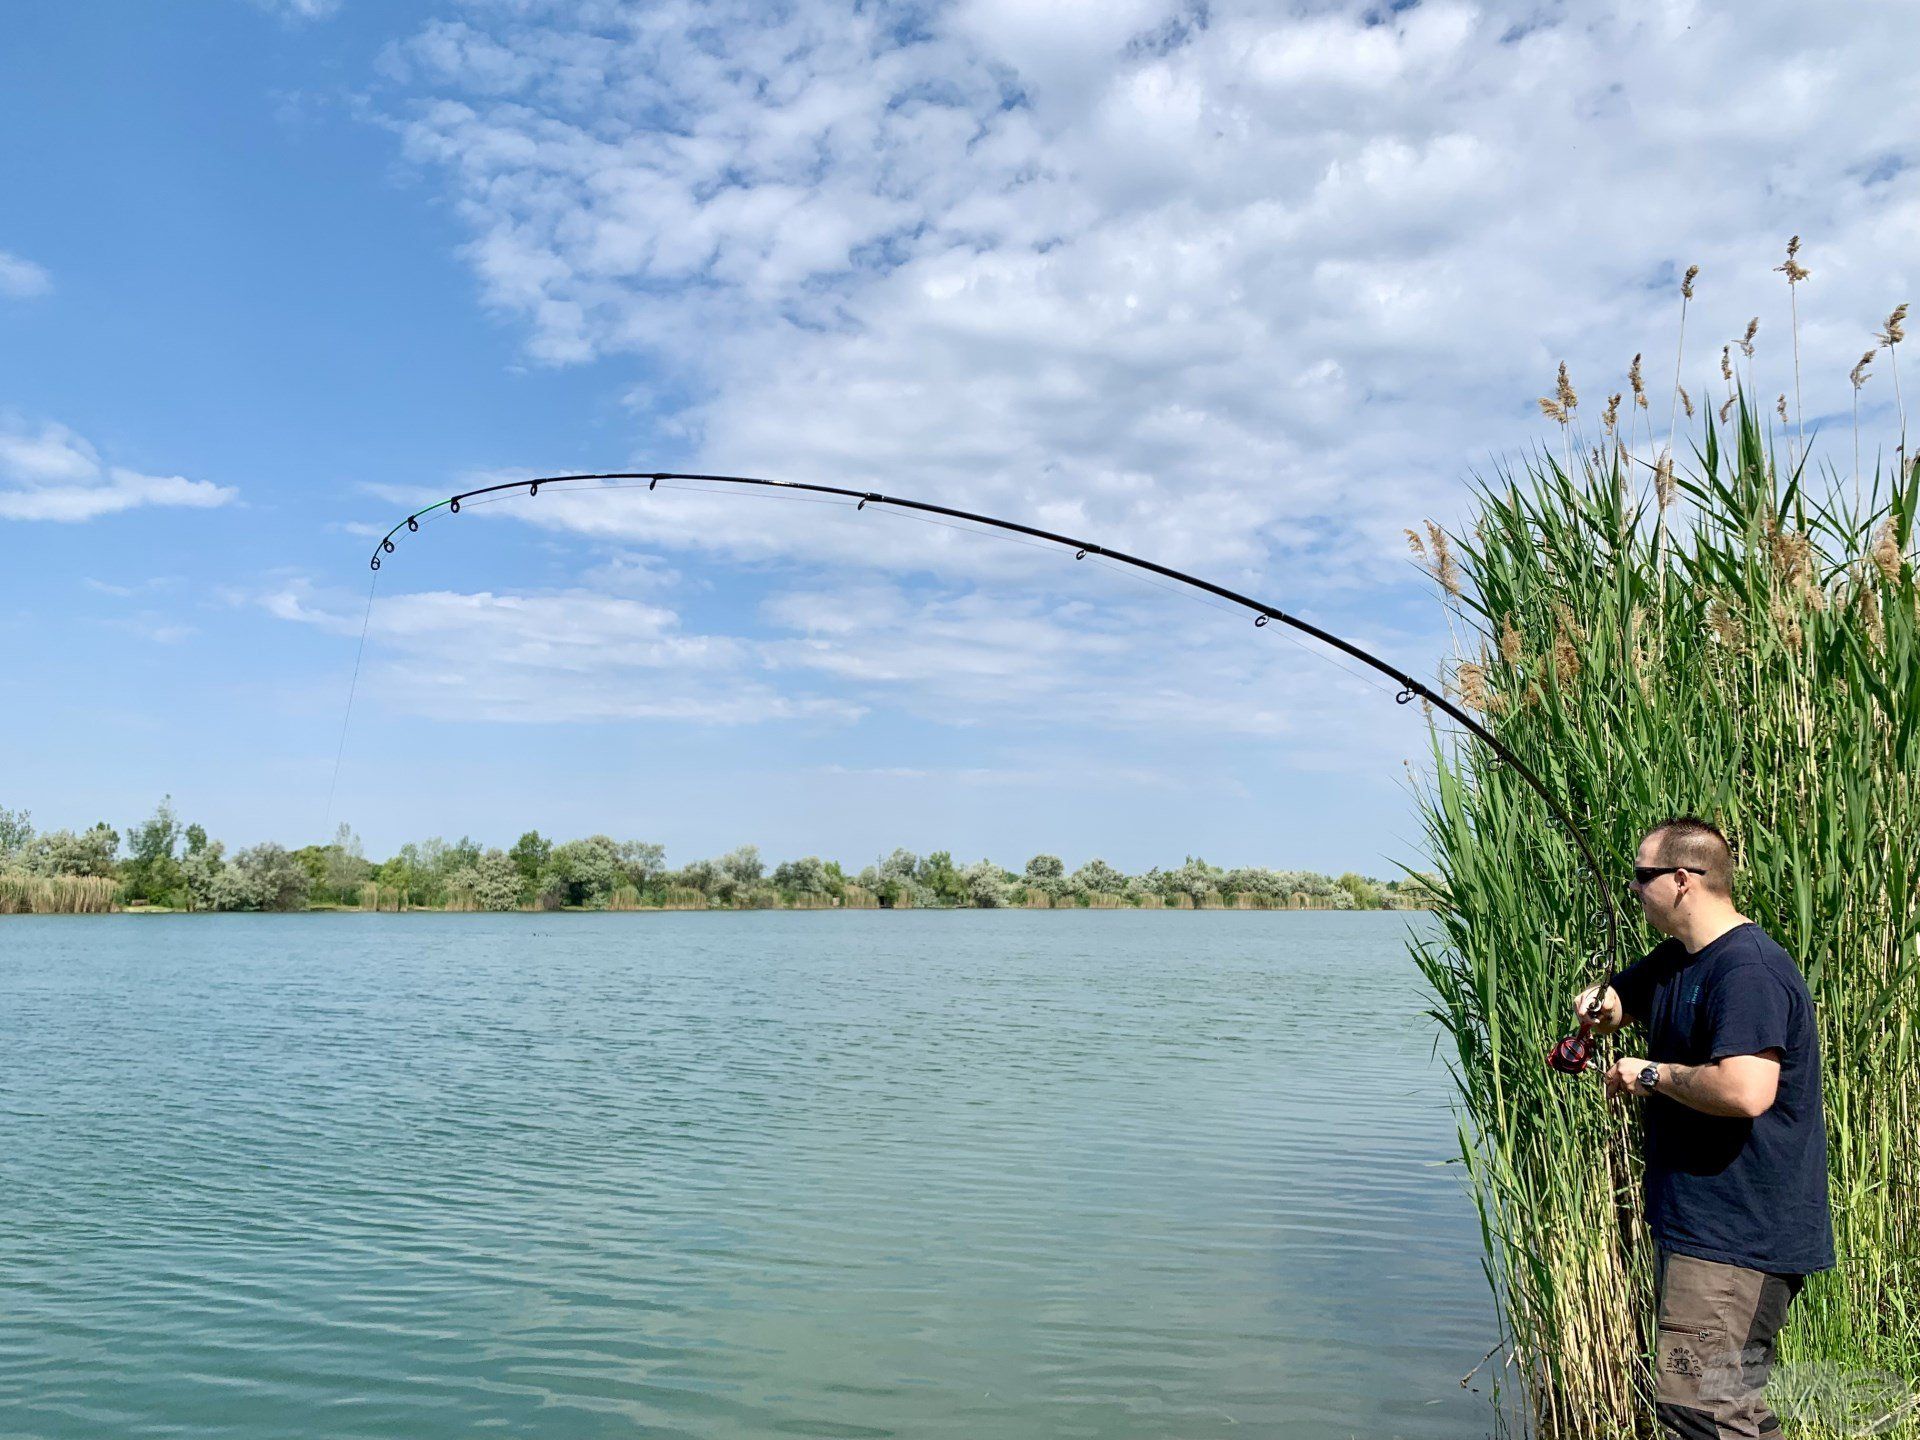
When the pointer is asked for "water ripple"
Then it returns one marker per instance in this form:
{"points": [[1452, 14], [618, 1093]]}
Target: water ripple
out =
{"points": [[715, 1176]]}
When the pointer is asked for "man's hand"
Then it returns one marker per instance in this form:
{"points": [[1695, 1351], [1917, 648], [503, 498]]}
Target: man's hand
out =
{"points": [[1612, 1014], [1623, 1076]]}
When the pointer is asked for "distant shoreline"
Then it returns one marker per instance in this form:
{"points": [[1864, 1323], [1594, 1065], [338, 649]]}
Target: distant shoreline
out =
{"points": [[120, 910]]}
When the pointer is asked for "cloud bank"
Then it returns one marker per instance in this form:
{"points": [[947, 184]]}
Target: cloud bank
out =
{"points": [[1241, 288], [50, 473]]}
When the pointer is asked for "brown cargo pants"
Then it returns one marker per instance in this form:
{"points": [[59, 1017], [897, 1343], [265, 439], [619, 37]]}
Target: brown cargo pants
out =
{"points": [[1717, 1326]]}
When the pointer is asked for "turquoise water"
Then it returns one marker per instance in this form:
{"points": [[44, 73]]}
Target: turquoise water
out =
{"points": [[859, 1174]]}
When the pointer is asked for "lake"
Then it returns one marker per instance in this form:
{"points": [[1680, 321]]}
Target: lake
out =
{"points": [[974, 1173]]}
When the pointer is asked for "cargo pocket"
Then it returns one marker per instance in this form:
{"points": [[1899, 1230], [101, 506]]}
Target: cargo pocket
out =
{"points": [[1696, 1355]]}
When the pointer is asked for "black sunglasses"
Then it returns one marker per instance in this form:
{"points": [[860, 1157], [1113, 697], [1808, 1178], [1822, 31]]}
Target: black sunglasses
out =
{"points": [[1642, 874]]}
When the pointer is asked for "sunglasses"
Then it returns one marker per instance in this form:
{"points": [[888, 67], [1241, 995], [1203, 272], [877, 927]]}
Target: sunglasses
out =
{"points": [[1645, 874]]}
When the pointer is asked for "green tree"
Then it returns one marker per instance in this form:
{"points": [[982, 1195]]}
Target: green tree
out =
{"points": [[585, 872], [806, 876], [266, 877], [463, 854], [986, 884], [62, 852], [1366, 895], [702, 875], [1097, 877], [313, 860], [494, 881], [1046, 874], [412, 882], [1195, 878], [942, 878], [16, 834], [151, 871], [201, 868], [347, 868], [530, 854], [742, 866], [644, 861], [896, 880]]}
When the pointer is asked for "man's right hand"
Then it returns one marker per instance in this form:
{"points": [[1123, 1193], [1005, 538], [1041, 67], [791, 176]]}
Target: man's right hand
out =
{"points": [[1612, 1014]]}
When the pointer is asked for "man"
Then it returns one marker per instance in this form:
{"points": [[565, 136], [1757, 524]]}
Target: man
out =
{"points": [[1736, 1164]]}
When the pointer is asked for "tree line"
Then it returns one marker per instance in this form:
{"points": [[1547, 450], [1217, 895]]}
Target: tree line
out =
{"points": [[161, 862]]}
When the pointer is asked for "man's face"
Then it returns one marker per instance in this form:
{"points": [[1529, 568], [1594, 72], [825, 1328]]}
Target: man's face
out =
{"points": [[1658, 895]]}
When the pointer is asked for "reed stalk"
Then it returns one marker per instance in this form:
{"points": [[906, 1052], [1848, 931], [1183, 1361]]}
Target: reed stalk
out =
{"points": [[1890, 336], [1762, 668], [1795, 273], [1679, 359]]}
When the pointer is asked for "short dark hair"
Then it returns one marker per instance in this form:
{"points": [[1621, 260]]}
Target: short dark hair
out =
{"points": [[1689, 840]]}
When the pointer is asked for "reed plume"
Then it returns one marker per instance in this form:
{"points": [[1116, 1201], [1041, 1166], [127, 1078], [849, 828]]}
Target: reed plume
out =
{"points": [[1444, 567], [1471, 685], [1680, 347], [1568, 402], [1795, 273], [1886, 553], [1889, 337], [1511, 649]]}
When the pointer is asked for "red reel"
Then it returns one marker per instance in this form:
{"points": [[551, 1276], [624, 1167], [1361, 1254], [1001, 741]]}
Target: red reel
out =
{"points": [[1573, 1053]]}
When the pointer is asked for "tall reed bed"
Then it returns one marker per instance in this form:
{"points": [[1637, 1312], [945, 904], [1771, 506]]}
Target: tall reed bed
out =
{"points": [[56, 894], [1754, 657]]}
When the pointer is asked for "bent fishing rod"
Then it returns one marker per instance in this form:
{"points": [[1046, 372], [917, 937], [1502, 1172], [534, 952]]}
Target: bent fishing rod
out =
{"points": [[1570, 1055]]}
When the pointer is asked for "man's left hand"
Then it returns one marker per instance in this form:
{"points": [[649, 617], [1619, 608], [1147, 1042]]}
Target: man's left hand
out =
{"points": [[1623, 1076]]}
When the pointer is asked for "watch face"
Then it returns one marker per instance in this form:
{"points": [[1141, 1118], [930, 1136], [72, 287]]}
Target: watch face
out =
{"points": [[1650, 1077]]}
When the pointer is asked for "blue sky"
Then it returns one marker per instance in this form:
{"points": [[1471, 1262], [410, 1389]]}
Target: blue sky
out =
{"points": [[1245, 289]]}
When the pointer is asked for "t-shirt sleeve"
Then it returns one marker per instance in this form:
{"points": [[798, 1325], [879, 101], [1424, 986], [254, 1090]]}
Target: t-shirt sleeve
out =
{"points": [[1634, 986], [1748, 1010]]}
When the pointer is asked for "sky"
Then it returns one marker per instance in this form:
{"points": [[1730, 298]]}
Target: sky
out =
{"points": [[1245, 289]]}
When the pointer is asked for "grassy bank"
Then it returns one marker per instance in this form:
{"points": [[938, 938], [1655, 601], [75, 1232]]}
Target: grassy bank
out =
{"points": [[1740, 642]]}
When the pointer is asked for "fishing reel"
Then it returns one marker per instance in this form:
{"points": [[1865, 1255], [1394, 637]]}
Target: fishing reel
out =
{"points": [[1573, 1052]]}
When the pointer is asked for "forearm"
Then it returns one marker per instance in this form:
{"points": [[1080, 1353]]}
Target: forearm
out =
{"points": [[1706, 1088]]}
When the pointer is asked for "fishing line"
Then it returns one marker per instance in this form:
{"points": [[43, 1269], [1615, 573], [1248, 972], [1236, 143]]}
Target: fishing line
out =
{"points": [[352, 685], [1571, 1054]]}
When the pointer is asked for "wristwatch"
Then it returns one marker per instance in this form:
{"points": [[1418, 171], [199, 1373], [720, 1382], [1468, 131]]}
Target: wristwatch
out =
{"points": [[1650, 1077]]}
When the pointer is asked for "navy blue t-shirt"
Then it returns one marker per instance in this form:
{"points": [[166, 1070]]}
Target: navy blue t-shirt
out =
{"points": [[1743, 1192]]}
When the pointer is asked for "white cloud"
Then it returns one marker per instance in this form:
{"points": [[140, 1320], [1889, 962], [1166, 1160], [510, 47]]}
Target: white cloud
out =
{"points": [[832, 653], [21, 278], [53, 474], [1106, 656], [157, 629], [299, 9], [568, 656], [1237, 288]]}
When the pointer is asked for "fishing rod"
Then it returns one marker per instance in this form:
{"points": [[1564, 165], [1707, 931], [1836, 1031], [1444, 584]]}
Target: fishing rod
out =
{"points": [[1570, 1055]]}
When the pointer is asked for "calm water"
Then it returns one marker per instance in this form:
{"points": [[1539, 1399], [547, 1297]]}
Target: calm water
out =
{"points": [[972, 1174]]}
